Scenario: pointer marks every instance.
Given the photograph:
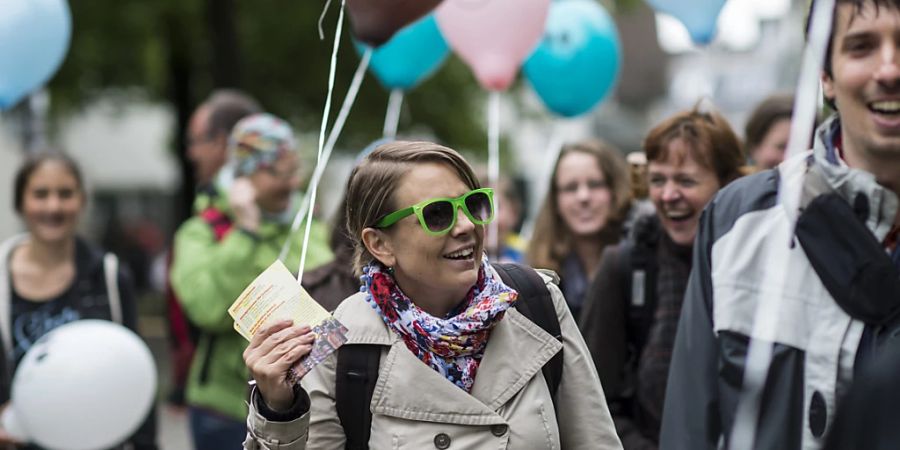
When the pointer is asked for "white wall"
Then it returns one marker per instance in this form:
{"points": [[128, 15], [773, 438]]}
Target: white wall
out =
{"points": [[123, 147], [10, 158]]}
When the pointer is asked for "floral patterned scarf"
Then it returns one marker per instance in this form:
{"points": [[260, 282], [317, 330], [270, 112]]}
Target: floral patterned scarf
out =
{"points": [[453, 346]]}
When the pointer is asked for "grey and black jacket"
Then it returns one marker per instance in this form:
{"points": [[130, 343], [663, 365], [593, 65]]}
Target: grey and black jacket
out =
{"points": [[743, 243]]}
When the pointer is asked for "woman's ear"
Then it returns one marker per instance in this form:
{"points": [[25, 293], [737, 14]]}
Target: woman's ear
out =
{"points": [[378, 243]]}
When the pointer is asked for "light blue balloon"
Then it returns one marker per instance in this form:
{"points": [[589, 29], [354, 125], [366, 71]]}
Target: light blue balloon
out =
{"points": [[577, 62], [34, 39], [414, 53], [698, 16]]}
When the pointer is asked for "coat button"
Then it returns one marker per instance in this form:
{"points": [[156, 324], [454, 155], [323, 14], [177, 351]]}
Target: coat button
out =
{"points": [[499, 430], [442, 441], [818, 414]]}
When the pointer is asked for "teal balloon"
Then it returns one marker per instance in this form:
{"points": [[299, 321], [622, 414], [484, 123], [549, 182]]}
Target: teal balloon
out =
{"points": [[410, 56], [698, 16], [34, 39], [577, 62]]}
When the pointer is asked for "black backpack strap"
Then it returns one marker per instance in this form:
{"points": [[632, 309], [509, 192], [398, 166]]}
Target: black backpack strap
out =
{"points": [[355, 378], [358, 364], [536, 304], [638, 272]]}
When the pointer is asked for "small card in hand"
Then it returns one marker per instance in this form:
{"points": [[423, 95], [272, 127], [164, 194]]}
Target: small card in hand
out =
{"points": [[275, 295]]}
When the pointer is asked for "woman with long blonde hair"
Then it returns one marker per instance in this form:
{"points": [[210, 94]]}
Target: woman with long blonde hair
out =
{"points": [[584, 211]]}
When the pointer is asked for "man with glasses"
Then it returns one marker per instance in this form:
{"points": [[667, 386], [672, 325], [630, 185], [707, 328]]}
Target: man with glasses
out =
{"points": [[206, 140], [209, 128], [220, 251], [835, 283]]}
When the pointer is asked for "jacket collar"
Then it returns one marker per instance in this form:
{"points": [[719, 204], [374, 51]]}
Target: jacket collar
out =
{"points": [[824, 170], [516, 351]]}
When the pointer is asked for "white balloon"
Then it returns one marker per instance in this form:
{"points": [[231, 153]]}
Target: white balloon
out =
{"points": [[10, 422], [86, 385]]}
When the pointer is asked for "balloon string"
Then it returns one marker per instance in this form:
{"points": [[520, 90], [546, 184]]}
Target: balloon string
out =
{"points": [[392, 117], [322, 19], [349, 99], [767, 315], [494, 168], [327, 110]]}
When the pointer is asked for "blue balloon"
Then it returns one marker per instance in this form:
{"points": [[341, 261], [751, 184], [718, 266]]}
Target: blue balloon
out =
{"points": [[414, 53], [34, 39], [577, 62], [698, 16]]}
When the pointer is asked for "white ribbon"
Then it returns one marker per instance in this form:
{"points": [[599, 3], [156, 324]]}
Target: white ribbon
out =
{"points": [[494, 169], [392, 116], [759, 353]]}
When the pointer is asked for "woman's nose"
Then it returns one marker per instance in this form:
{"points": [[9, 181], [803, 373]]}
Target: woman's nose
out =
{"points": [[583, 192], [463, 224], [671, 192]]}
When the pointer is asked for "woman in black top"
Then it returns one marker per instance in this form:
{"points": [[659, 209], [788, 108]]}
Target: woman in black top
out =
{"points": [[50, 277]]}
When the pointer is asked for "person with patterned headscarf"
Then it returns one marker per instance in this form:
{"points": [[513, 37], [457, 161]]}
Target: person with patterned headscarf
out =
{"points": [[219, 251]]}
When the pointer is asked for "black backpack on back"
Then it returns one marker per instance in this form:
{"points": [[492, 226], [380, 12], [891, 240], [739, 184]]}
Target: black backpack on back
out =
{"points": [[358, 364], [637, 270]]}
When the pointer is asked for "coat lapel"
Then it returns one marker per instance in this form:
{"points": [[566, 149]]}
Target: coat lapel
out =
{"points": [[408, 388], [516, 352]]}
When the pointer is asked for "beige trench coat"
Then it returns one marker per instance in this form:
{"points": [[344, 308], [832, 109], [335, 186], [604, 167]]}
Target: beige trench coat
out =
{"points": [[414, 407]]}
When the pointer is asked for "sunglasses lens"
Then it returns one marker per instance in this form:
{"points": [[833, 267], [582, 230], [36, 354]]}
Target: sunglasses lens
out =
{"points": [[438, 215], [479, 205]]}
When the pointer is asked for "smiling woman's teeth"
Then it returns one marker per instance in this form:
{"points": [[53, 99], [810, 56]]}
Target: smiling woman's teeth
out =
{"points": [[460, 254], [678, 216]]}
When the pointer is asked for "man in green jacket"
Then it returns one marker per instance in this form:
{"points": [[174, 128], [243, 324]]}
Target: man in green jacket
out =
{"points": [[220, 251]]}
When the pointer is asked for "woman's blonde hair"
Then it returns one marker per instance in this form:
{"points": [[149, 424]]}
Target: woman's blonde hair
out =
{"points": [[552, 240], [370, 189]]}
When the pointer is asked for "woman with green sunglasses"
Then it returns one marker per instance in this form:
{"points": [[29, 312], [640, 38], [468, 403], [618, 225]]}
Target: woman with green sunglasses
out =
{"points": [[459, 365]]}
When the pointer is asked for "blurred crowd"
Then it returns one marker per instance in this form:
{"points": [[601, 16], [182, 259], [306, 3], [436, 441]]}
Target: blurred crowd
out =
{"points": [[640, 329]]}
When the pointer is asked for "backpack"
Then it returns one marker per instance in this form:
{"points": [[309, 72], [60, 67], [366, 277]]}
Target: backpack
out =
{"points": [[358, 364], [638, 270], [184, 334]]}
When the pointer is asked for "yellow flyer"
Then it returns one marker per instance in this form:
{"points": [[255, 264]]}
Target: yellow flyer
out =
{"points": [[275, 295]]}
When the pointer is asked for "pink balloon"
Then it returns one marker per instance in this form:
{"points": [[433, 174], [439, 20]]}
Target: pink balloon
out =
{"points": [[493, 36]]}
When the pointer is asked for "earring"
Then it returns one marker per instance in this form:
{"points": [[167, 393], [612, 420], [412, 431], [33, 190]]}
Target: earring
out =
{"points": [[390, 271]]}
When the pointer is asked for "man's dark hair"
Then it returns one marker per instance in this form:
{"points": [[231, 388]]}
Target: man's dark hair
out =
{"points": [[226, 108], [771, 110], [858, 6]]}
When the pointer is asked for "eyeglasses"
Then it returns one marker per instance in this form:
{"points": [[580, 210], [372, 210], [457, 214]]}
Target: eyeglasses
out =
{"points": [[284, 174], [438, 215]]}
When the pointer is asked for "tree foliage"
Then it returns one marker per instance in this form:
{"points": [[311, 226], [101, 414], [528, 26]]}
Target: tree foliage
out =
{"points": [[178, 51]]}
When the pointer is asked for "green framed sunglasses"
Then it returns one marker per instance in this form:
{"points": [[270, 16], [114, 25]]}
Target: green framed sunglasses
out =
{"points": [[438, 215]]}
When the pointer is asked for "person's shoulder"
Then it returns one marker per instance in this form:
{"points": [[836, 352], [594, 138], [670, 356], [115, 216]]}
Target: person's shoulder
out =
{"points": [[364, 325], [194, 228], [88, 255], [750, 194], [193, 222]]}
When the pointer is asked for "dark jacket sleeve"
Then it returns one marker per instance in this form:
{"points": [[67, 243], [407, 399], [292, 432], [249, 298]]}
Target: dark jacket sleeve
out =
{"points": [[602, 323], [867, 417], [690, 415], [145, 437]]}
